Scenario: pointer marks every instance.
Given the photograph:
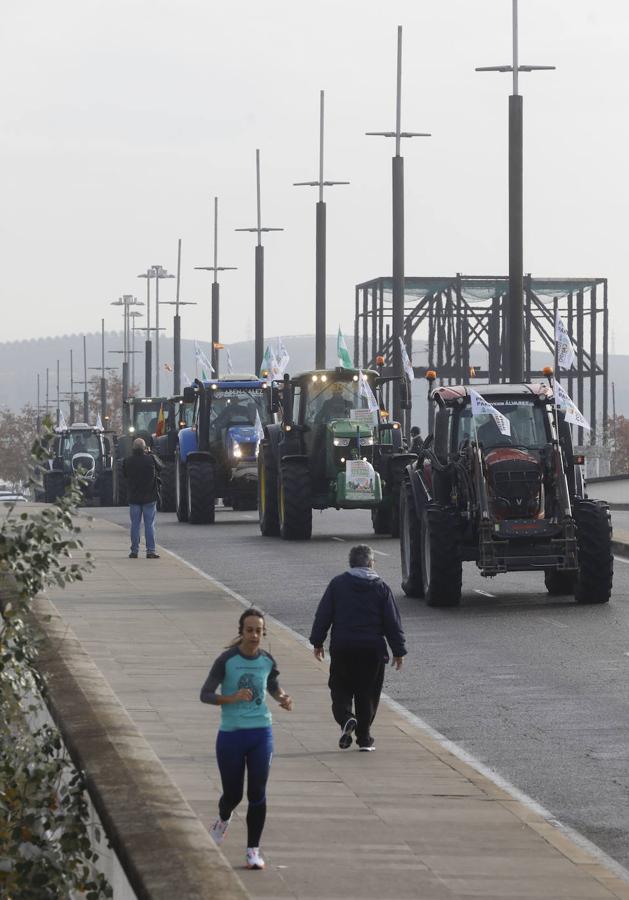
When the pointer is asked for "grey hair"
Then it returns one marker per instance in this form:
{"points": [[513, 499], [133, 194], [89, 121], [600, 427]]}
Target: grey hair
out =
{"points": [[361, 556], [139, 444]]}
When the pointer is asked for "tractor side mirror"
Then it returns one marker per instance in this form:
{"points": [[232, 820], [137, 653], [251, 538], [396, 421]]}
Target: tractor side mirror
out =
{"points": [[189, 394]]}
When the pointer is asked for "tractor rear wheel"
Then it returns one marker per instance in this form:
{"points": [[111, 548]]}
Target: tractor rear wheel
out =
{"points": [[201, 493], [181, 490], [381, 519], [558, 583], [594, 543], [268, 515], [54, 486], [168, 496], [294, 503], [442, 568], [410, 545], [107, 488]]}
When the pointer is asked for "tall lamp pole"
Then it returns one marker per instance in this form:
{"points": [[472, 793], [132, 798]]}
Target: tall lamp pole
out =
{"points": [[259, 282], [515, 317], [177, 302], [320, 247], [216, 292], [148, 346], [398, 232]]}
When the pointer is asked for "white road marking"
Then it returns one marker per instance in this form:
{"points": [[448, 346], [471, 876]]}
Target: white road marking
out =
{"points": [[484, 593], [342, 540], [553, 622], [622, 559], [447, 744]]}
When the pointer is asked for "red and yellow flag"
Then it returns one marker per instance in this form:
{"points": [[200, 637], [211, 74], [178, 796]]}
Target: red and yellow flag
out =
{"points": [[161, 422]]}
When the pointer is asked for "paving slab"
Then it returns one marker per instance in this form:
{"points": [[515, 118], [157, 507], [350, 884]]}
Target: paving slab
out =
{"points": [[410, 820]]}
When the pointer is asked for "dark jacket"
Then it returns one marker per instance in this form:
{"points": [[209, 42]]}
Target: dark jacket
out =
{"points": [[361, 612], [140, 471]]}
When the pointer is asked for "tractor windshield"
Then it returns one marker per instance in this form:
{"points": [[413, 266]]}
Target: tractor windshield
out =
{"points": [[528, 423], [146, 419], [327, 401], [80, 442], [237, 407]]}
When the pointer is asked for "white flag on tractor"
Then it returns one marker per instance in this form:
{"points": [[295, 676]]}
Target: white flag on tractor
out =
{"points": [[186, 380], [62, 421], [283, 358], [573, 414], [259, 428], [230, 367], [406, 363], [481, 407], [269, 368], [202, 359], [565, 350], [364, 390], [99, 423]]}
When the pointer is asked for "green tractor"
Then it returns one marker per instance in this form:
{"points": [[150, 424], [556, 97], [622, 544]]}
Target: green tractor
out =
{"points": [[140, 416], [334, 448]]}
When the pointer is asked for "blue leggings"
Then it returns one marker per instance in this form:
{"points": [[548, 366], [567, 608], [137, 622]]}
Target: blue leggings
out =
{"points": [[253, 748]]}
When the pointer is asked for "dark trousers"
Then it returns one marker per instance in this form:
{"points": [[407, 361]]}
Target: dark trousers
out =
{"points": [[356, 677], [250, 748]]}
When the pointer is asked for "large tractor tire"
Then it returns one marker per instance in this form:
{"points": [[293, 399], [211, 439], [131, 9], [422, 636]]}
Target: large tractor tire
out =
{"points": [[201, 492], [167, 494], [54, 486], [107, 488], [594, 543], [120, 492], [268, 515], [558, 583], [381, 519], [410, 545], [181, 490], [442, 567], [294, 501], [395, 512]]}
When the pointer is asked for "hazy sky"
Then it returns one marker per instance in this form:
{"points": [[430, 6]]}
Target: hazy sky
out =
{"points": [[122, 119]]}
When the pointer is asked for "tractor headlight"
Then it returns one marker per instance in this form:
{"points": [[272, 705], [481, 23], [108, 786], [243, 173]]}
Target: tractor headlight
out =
{"points": [[341, 442], [131, 429], [236, 450], [366, 442]]}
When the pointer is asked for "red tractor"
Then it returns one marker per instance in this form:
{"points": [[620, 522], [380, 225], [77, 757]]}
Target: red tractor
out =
{"points": [[508, 502]]}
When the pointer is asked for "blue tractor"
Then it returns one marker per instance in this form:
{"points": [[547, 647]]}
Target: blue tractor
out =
{"points": [[217, 456]]}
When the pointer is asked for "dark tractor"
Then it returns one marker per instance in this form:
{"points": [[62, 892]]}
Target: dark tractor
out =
{"points": [[178, 415], [80, 449], [217, 456], [509, 503], [140, 416], [331, 450]]}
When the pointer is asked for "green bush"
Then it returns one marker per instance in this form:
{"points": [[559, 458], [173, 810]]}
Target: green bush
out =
{"points": [[45, 848]]}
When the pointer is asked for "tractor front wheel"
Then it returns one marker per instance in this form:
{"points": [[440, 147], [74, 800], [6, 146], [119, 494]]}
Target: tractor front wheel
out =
{"points": [[381, 519], [168, 492], [54, 486], [442, 568], [268, 515], [558, 583], [294, 502], [594, 544], [201, 493], [410, 545]]}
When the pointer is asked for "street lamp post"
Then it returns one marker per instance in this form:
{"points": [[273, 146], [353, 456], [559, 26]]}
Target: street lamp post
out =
{"points": [[515, 318], [133, 314], [215, 293], [177, 302], [159, 272], [397, 300], [320, 248], [259, 276], [126, 301], [148, 347]]}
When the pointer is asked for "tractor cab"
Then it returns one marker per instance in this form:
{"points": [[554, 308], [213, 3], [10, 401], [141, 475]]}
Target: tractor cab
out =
{"points": [[141, 415]]}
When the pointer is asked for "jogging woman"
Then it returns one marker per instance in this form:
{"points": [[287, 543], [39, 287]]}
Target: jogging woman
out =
{"points": [[245, 674]]}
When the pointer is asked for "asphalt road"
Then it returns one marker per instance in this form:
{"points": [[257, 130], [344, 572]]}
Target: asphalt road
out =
{"points": [[537, 688]]}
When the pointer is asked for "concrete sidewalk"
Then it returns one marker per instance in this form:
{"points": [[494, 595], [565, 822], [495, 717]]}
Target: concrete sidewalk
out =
{"points": [[408, 821]]}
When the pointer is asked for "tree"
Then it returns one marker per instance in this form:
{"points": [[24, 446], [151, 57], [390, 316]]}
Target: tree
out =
{"points": [[17, 433], [114, 400], [619, 434]]}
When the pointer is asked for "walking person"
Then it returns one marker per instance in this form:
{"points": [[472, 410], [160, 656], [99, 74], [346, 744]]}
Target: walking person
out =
{"points": [[245, 673], [141, 473], [361, 611]]}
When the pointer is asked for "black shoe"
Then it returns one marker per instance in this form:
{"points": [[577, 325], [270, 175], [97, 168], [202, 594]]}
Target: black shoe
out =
{"points": [[133, 555], [345, 739], [367, 746], [152, 555]]}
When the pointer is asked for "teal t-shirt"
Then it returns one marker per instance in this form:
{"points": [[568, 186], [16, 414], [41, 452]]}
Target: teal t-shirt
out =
{"points": [[232, 670]]}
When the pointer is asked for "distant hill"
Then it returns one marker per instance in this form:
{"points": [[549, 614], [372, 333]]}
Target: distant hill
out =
{"points": [[20, 361]]}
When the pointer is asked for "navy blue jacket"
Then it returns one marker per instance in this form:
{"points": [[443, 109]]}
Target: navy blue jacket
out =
{"points": [[362, 612]]}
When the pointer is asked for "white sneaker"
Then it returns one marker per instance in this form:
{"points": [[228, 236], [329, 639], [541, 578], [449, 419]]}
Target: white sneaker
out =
{"points": [[217, 831], [254, 860]]}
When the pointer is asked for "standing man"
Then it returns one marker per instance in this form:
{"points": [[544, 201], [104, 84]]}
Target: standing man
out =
{"points": [[361, 610], [140, 471]]}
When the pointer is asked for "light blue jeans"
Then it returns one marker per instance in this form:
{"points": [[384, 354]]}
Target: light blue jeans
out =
{"points": [[138, 511]]}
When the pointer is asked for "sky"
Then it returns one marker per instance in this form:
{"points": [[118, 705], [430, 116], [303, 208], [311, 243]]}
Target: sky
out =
{"points": [[121, 120]]}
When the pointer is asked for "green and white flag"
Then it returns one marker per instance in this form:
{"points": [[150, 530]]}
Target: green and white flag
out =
{"points": [[342, 352], [269, 368], [406, 363]]}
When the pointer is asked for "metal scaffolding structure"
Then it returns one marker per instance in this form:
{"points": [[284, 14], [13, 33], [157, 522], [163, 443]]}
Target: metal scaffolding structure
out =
{"points": [[467, 314]]}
